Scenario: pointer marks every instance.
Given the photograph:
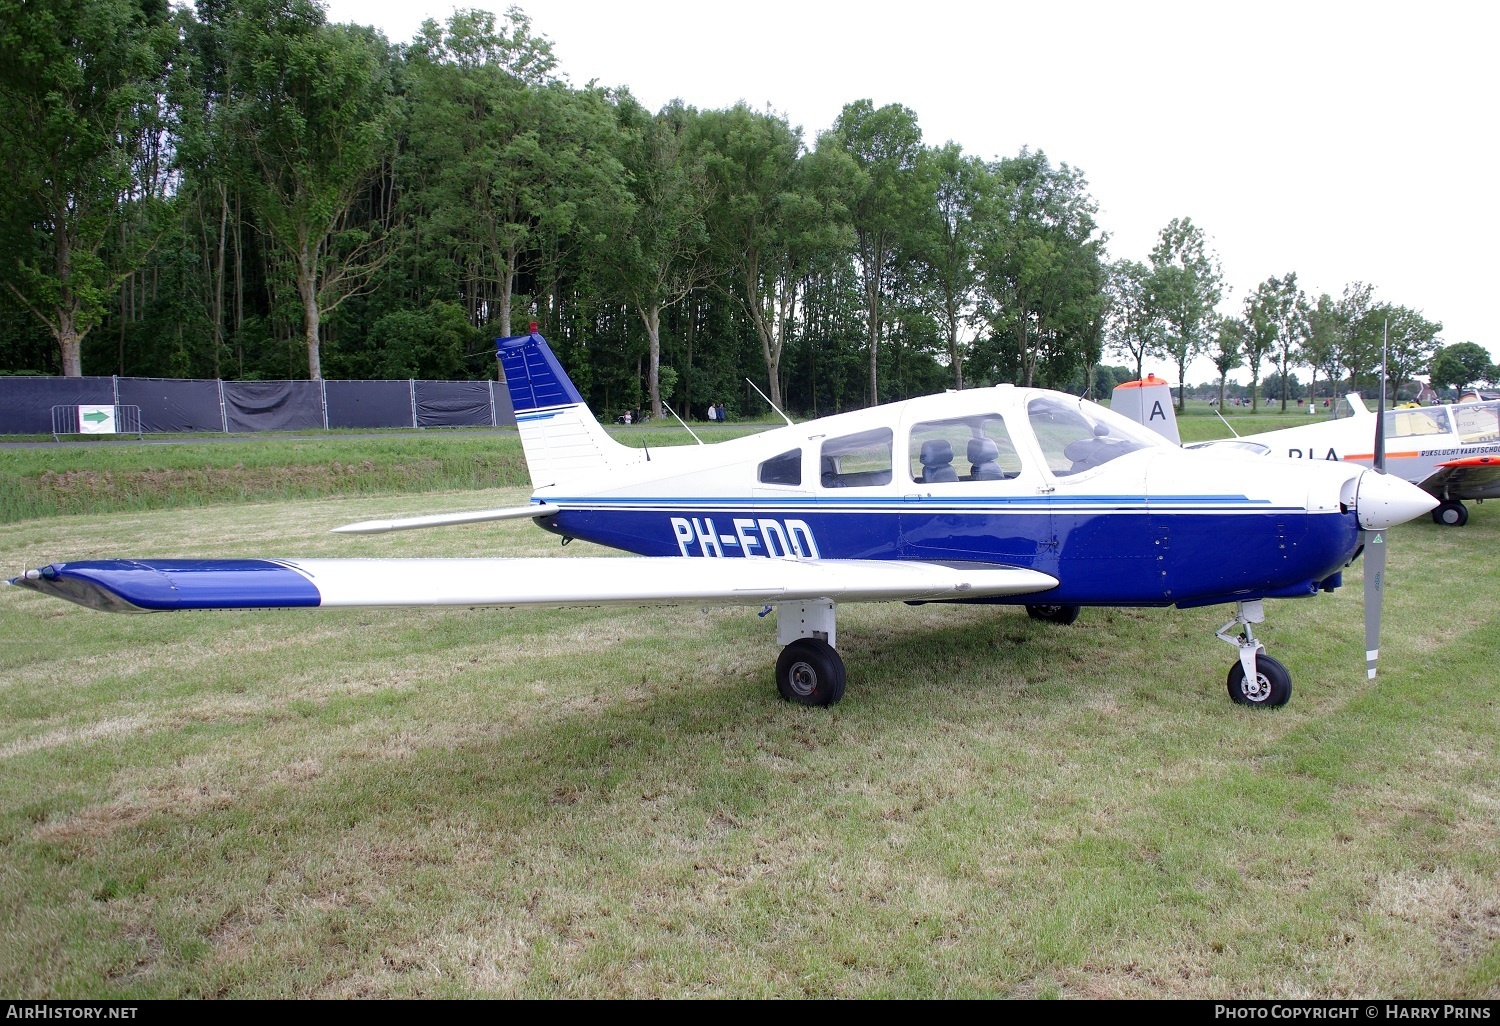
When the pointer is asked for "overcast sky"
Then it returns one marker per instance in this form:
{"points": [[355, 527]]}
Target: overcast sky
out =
{"points": [[1340, 141]]}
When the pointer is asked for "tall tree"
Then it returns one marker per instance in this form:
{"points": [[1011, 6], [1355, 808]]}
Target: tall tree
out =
{"points": [[1289, 310], [1413, 340], [1186, 284], [662, 254], [83, 123], [1320, 350], [888, 199], [1041, 266], [477, 160], [1258, 333], [1359, 332], [313, 111], [1461, 365], [1134, 327], [1229, 347], [766, 220], [963, 189]]}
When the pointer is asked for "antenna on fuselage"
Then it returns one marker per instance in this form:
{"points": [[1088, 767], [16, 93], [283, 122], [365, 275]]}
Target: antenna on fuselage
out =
{"points": [[682, 422], [1230, 426], [769, 403]]}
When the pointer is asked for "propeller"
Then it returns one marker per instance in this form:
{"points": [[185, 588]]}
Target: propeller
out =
{"points": [[1375, 547]]}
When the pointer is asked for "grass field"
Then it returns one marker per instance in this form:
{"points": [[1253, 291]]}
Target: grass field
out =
{"points": [[615, 803]]}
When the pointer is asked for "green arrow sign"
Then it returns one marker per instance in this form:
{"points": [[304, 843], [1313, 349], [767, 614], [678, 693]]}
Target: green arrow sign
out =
{"points": [[97, 416]]}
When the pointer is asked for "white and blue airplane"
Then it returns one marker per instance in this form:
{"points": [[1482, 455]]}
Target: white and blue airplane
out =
{"points": [[1003, 495]]}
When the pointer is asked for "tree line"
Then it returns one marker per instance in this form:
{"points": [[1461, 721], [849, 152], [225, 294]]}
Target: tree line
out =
{"points": [[245, 190]]}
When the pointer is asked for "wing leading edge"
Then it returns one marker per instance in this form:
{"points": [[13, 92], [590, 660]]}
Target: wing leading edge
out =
{"points": [[536, 509], [118, 585]]}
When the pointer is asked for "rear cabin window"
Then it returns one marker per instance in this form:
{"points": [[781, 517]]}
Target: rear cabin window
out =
{"points": [[785, 469], [857, 461], [962, 450]]}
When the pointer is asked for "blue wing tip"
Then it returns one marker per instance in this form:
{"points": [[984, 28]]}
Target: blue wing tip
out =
{"points": [[128, 585]]}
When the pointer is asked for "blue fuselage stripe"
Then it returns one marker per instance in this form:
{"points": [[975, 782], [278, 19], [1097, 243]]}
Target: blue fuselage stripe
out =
{"points": [[1102, 555]]}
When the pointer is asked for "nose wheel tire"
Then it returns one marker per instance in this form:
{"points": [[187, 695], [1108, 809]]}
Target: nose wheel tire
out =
{"points": [[1451, 513], [810, 672], [1272, 685], [1054, 614]]}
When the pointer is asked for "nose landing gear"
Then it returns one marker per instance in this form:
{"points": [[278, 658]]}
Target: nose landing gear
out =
{"points": [[1256, 678]]}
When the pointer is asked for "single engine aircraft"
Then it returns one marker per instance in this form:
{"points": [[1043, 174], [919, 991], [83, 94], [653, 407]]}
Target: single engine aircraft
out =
{"points": [[1003, 495], [1451, 452]]}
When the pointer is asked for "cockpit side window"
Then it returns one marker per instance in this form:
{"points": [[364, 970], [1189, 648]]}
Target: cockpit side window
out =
{"points": [[857, 461], [1424, 420], [962, 450], [1074, 439], [785, 469], [1479, 422]]}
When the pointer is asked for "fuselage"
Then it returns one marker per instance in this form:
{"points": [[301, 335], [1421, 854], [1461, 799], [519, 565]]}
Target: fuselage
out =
{"points": [[1419, 442], [1025, 477]]}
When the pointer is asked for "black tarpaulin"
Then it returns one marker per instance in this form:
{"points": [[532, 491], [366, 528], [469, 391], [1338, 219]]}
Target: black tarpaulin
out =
{"points": [[172, 404], [504, 414], [273, 405], [454, 404], [368, 404], [26, 402]]}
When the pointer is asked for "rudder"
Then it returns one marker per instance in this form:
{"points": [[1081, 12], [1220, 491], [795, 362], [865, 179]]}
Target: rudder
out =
{"points": [[560, 436], [1148, 402]]}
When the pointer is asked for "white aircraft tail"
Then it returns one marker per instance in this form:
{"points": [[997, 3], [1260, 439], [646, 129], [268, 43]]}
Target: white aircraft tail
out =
{"points": [[1148, 402], [562, 439]]}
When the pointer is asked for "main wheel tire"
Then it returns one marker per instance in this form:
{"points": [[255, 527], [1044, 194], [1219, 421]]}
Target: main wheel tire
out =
{"points": [[1451, 513], [1054, 614], [1272, 686], [810, 672]]}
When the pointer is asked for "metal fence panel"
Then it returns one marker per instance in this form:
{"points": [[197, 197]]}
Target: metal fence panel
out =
{"points": [[273, 405], [368, 404], [453, 404], [26, 402], [175, 404]]}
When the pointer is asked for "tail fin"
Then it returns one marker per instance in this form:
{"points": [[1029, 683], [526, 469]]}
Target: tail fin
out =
{"points": [[1148, 402], [562, 439]]}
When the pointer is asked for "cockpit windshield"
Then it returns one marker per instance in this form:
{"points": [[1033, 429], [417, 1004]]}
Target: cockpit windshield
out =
{"points": [[1076, 435]]}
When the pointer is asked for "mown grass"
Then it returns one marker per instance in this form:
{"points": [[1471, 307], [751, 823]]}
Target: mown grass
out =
{"points": [[166, 472], [614, 803], [125, 475]]}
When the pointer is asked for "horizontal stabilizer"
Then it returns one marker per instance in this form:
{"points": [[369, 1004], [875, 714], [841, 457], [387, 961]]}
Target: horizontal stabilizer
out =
{"points": [[536, 509], [120, 585]]}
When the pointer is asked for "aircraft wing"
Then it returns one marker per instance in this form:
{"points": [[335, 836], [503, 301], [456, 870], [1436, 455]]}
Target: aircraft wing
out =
{"points": [[122, 585], [535, 509], [1467, 477]]}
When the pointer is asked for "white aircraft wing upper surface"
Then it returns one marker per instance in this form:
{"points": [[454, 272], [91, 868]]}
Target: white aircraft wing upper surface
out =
{"points": [[168, 584]]}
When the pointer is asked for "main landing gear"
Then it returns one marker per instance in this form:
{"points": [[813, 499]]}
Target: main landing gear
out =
{"points": [[1054, 614], [1451, 513], [1256, 678], [809, 671]]}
